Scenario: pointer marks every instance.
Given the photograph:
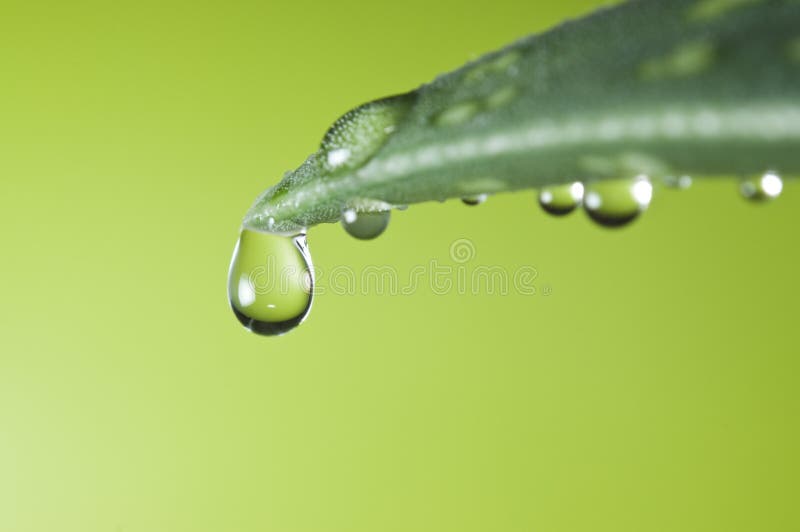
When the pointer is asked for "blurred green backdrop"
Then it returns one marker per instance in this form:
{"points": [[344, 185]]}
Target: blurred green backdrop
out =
{"points": [[648, 385]]}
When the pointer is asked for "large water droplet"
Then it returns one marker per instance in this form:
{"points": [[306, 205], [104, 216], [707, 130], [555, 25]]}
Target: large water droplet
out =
{"points": [[562, 199], [359, 133], [475, 200], [765, 188], [365, 225], [271, 281], [616, 203]]}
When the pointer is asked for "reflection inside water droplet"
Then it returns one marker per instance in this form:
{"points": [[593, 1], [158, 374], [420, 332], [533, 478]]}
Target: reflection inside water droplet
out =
{"points": [[270, 282], [365, 225], [764, 188]]}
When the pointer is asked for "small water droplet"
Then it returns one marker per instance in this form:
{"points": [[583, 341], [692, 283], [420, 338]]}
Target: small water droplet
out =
{"points": [[616, 203], [475, 200], [270, 282], [365, 225], [678, 182], [561, 200], [765, 188]]}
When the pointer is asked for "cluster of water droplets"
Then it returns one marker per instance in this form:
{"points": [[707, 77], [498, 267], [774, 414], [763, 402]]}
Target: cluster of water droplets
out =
{"points": [[610, 203], [271, 279], [616, 203]]}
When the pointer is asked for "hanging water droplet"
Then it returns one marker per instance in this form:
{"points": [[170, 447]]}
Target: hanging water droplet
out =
{"points": [[764, 188], [616, 203], [562, 199], [365, 225], [270, 282], [475, 200]]}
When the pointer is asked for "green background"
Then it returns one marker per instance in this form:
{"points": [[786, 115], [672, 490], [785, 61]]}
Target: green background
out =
{"points": [[649, 385]]}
